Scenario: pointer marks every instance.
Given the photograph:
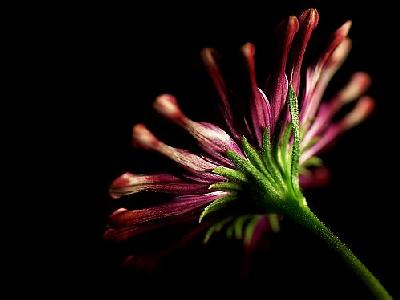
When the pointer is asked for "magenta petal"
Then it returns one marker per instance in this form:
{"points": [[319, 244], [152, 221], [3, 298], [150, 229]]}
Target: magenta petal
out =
{"points": [[358, 84], [260, 109], [308, 21], [330, 135], [193, 163], [215, 73], [214, 141], [211, 138], [337, 38], [128, 184], [364, 108], [178, 206], [319, 75], [128, 223], [315, 178], [278, 82]]}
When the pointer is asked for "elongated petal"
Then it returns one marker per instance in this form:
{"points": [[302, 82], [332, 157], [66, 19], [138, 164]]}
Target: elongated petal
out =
{"points": [[125, 223], [362, 110], [319, 75], [179, 206], [121, 233], [260, 109], [337, 38], [358, 84], [212, 68], [143, 138], [128, 184], [211, 138], [318, 78], [278, 82], [308, 21]]}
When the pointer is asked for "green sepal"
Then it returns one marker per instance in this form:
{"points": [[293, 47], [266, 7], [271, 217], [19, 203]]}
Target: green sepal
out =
{"points": [[245, 166], [217, 227], [284, 152], [294, 121], [249, 231], [274, 222], [255, 158], [312, 162], [231, 174], [217, 205], [238, 227], [225, 186], [268, 158]]}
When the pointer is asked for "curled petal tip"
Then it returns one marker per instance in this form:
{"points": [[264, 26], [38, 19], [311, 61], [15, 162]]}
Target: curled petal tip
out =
{"points": [[207, 55], [363, 109], [341, 51], [362, 78], [312, 15], [122, 180], [368, 105], [344, 29], [358, 84], [142, 137], [293, 24], [118, 211], [167, 105]]}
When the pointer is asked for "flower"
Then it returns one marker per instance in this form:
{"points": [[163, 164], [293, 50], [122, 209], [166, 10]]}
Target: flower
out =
{"points": [[249, 175]]}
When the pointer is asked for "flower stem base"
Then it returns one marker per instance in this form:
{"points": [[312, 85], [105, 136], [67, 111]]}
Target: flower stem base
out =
{"points": [[308, 219]]}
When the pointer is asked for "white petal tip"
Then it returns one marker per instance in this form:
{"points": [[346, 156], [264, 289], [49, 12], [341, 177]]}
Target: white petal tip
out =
{"points": [[345, 28], [142, 137], [363, 109], [358, 84], [167, 105], [248, 49], [207, 55], [118, 211], [341, 51]]}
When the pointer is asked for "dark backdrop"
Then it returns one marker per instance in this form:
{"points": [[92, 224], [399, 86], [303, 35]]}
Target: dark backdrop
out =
{"points": [[117, 59]]}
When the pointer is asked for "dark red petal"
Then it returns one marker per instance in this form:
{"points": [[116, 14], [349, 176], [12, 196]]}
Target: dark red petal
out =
{"points": [[277, 87], [260, 110], [308, 21], [211, 138], [128, 184], [212, 67], [128, 223], [315, 178]]}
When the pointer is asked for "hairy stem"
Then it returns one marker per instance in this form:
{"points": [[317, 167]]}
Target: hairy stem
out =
{"points": [[305, 217]]}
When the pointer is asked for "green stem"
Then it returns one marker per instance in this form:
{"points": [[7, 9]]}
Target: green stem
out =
{"points": [[308, 219]]}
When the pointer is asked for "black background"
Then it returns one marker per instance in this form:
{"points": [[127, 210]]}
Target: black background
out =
{"points": [[115, 60]]}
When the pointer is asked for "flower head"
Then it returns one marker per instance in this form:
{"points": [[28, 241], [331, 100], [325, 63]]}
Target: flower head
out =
{"points": [[254, 171]]}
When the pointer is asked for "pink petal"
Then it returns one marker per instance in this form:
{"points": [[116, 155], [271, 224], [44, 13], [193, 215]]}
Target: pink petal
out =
{"points": [[195, 164], [211, 138], [315, 178], [128, 184], [178, 206], [362, 110], [260, 109], [278, 82], [319, 75], [308, 21], [125, 223], [215, 73], [358, 84]]}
